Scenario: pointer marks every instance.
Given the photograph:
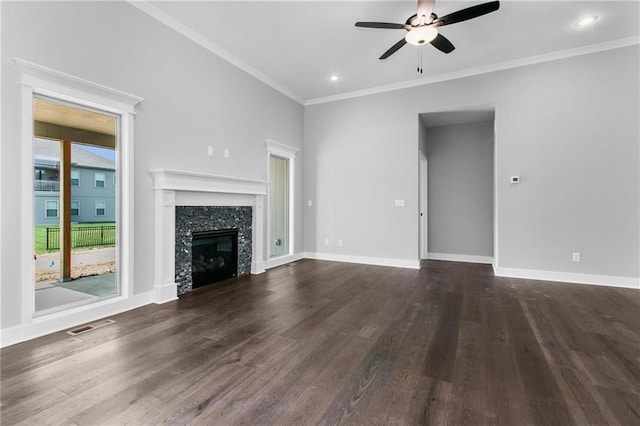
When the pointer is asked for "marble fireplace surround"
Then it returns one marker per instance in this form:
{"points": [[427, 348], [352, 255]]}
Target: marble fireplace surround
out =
{"points": [[173, 188]]}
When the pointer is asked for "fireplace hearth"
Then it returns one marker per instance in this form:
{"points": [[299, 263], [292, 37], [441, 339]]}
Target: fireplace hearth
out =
{"points": [[214, 256]]}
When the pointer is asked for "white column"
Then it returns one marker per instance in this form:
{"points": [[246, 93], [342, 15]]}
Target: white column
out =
{"points": [[257, 256], [165, 288]]}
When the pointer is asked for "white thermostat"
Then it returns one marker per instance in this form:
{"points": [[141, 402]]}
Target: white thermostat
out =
{"points": [[515, 179]]}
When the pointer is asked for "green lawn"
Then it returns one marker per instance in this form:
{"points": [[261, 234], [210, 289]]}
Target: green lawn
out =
{"points": [[40, 236]]}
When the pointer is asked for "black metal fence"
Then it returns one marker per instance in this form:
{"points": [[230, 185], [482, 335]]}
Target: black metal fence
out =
{"points": [[83, 236]]}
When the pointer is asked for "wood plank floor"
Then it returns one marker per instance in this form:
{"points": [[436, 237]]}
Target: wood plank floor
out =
{"points": [[327, 343]]}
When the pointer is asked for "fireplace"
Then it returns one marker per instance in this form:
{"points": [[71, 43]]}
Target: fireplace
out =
{"points": [[200, 242], [186, 202], [214, 256]]}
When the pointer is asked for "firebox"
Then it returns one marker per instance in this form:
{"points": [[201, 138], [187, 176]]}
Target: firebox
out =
{"points": [[214, 256]]}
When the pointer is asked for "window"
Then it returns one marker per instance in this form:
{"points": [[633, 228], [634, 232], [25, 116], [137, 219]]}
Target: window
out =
{"points": [[99, 179], [75, 208], [101, 207], [281, 162], [51, 208], [75, 178]]}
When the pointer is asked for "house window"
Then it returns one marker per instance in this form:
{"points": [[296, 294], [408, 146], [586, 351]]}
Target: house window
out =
{"points": [[99, 179], [51, 208], [75, 178], [75, 208], [100, 208], [281, 162]]}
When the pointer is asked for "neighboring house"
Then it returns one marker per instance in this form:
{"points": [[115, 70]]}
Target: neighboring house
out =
{"points": [[93, 185]]}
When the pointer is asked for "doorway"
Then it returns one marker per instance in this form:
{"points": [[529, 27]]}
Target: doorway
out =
{"points": [[424, 207], [75, 207], [457, 185]]}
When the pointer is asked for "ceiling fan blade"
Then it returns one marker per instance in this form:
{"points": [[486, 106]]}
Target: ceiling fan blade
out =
{"points": [[468, 13], [383, 25], [442, 44], [425, 7], [393, 49]]}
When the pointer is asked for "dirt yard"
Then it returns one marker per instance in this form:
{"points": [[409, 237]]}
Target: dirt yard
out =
{"points": [[84, 263]]}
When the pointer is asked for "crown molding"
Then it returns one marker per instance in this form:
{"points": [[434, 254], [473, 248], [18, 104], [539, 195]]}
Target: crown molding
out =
{"points": [[517, 63], [198, 38]]}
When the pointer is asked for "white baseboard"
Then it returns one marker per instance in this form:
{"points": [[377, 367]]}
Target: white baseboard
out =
{"points": [[379, 261], [460, 258], [568, 277], [283, 260], [63, 320]]}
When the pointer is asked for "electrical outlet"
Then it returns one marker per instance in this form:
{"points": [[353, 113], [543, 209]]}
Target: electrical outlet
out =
{"points": [[575, 257], [210, 151], [340, 243], [309, 203], [226, 153], [326, 241]]}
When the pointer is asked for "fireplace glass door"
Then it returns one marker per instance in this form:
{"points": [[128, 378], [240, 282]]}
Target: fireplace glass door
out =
{"points": [[214, 256]]}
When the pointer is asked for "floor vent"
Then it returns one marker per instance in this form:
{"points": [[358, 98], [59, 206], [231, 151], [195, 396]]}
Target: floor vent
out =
{"points": [[89, 327]]}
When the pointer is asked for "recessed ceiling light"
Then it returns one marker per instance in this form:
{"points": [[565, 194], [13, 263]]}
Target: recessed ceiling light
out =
{"points": [[586, 20], [334, 77]]}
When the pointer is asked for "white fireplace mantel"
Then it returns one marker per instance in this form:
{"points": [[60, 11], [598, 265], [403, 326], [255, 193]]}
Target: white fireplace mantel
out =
{"points": [[181, 188]]}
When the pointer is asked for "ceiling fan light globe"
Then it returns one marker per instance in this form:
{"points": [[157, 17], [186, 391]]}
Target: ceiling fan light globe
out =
{"points": [[421, 35]]}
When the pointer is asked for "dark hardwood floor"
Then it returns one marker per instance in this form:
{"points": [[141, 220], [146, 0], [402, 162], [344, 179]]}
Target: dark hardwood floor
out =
{"points": [[326, 343]]}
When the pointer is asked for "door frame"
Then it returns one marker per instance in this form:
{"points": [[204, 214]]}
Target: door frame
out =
{"points": [[424, 207]]}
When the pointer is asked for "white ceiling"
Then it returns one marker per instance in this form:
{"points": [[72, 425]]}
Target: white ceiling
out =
{"points": [[296, 45]]}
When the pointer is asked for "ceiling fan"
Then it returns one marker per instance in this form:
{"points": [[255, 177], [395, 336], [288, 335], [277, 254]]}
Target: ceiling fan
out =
{"points": [[423, 26]]}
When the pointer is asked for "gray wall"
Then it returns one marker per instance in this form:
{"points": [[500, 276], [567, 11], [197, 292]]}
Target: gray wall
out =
{"points": [[569, 128], [192, 99], [460, 188]]}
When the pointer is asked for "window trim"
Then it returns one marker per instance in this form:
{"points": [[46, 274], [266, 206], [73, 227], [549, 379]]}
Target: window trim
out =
{"points": [[287, 152], [36, 80]]}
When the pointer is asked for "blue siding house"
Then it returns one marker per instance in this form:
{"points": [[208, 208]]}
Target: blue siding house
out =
{"points": [[93, 184]]}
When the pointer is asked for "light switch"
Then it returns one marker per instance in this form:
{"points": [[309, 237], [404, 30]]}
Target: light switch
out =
{"points": [[515, 179], [210, 151], [309, 203], [226, 153], [399, 203]]}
